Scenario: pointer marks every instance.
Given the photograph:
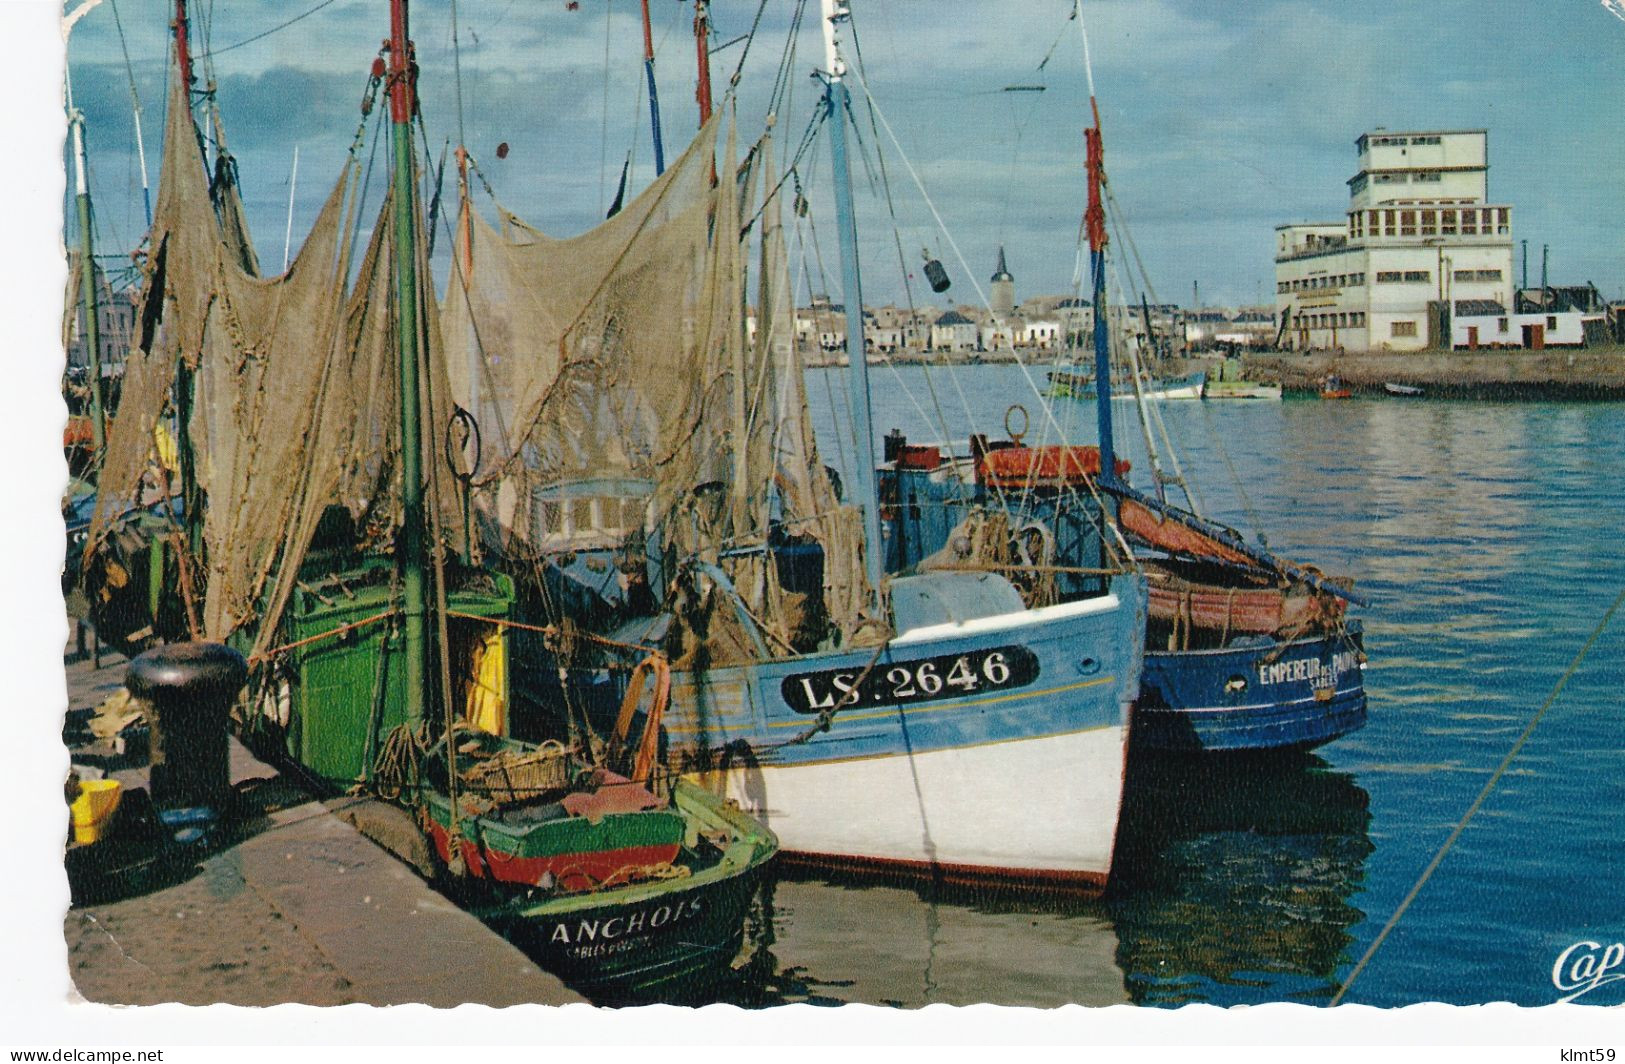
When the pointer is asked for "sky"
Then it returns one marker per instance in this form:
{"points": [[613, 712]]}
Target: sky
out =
{"points": [[1221, 120]]}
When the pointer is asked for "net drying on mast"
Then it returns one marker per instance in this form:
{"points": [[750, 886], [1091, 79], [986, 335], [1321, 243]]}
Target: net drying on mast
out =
{"points": [[625, 404], [291, 410]]}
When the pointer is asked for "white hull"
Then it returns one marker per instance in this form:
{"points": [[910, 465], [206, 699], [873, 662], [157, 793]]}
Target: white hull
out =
{"points": [[1041, 808]]}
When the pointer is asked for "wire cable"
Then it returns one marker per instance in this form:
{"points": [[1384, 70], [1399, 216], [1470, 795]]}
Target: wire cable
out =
{"points": [[273, 29], [1472, 810]]}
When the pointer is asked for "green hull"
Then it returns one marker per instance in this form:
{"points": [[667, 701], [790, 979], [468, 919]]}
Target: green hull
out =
{"points": [[670, 939]]}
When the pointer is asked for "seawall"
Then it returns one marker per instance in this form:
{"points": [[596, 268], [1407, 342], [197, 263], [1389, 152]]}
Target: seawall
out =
{"points": [[1588, 374]]}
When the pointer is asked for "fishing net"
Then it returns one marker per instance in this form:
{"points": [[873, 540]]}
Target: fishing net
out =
{"points": [[625, 403], [294, 406]]}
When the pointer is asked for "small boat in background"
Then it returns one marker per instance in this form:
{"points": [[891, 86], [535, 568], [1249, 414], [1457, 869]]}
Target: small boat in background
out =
{"points": [[1404, 391], [1230, 383], [1334, 388], [1075, 384]]}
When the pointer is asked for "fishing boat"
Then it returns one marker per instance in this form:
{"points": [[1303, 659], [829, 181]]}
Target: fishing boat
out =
{"points": [[1229, 382], [1065, 384], [651, 477], [1245, 651], [378, 649], [629, 887]]}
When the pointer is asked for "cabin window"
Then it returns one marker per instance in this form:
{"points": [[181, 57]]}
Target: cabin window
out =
{"points": [[1403, 328]]}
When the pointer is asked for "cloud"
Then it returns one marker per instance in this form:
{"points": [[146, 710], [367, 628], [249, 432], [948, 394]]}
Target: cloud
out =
{"points": [[1221, 120]]}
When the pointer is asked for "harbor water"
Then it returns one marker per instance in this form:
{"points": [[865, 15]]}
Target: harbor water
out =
{"points": [[1488, 538]]}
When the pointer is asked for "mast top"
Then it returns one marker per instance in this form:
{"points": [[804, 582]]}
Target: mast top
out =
{"points": [[402, 66], [835, 13]]}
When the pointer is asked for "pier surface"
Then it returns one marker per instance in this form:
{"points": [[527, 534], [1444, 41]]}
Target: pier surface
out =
{"points": [[298, 906]]}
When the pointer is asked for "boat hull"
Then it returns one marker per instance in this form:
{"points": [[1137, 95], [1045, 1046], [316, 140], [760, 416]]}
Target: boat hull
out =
{"points": [[669, 939], [676, 946], [1295, 695], [1034, 812], [1242, 390], [1015, 777]]}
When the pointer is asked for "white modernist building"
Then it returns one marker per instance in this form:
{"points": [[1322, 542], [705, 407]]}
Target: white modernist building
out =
{"points": [[1420, 238]]}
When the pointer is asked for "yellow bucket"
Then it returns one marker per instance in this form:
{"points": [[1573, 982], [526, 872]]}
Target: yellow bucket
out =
{"points": [[93, 808]]}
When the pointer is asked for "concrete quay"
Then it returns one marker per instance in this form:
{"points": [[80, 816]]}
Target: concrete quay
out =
{"points": [[294, 905], [1563, 374]]}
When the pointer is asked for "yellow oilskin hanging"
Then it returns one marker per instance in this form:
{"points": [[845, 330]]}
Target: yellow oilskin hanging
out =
{"points": [[164, 442], [487, 707]]}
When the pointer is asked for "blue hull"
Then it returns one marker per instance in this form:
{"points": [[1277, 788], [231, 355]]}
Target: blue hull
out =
{"points": [[1082, 669], [988, 750], [1273, 696]]}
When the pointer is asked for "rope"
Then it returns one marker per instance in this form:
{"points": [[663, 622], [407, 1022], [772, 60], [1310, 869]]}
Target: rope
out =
{"points": [[660, 870], [827, 716], [549, 630], [267, 655], [273, 29], [1472, 810]]}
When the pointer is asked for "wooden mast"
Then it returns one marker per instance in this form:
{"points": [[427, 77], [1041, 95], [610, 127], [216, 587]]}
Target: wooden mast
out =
{"points": [[402, 107], [836, 15], [87, 286], [702, 55], [654, 96]]}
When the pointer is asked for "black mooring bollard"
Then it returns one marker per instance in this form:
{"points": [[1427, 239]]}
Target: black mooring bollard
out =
{"points": [[188, 689]]}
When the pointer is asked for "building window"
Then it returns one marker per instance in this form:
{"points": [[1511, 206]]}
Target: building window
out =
{"points": [[1551, 321], [1407, 223], [1430, 223], [1418, 276], [1389, 277], [1447, 221], [1402, 328], [1428, 177], [1388, 226], [1501, 324]]}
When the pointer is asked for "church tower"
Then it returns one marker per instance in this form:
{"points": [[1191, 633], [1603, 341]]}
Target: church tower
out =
{"points": [[1004, 290]]}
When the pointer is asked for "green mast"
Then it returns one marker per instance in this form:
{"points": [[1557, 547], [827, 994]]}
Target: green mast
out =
{"points": [[402, 104], [87, 287]]}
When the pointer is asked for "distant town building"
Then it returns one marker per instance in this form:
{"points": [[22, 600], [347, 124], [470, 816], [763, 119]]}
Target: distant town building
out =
{"points": [[115, 315], [953, 331], [1420, 237], [1003, 301]]}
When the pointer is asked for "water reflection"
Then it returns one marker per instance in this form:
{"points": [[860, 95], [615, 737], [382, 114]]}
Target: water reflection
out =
{"points": [[1234, 878], [832, 940], [1233, 884]]}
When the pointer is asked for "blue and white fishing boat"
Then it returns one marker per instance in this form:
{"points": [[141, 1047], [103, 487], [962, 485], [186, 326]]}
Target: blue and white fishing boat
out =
{"points": [[651, 480], [1245, 651]]}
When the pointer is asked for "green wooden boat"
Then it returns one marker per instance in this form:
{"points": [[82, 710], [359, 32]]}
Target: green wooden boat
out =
{"points": [[629, 887], [626, 907]]}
